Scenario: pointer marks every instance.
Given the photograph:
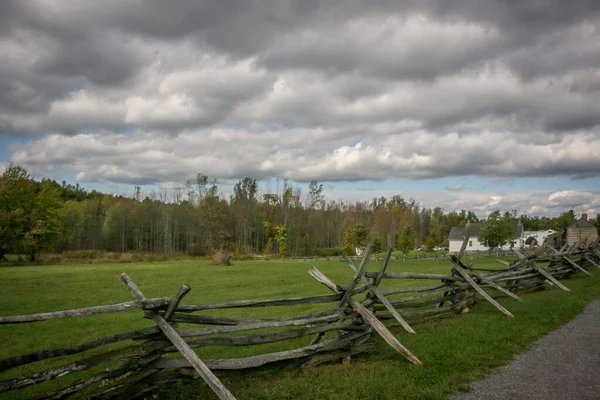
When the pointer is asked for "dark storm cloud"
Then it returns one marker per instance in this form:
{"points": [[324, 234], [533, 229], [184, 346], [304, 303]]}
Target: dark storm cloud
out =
{"points": [[288, 88]]}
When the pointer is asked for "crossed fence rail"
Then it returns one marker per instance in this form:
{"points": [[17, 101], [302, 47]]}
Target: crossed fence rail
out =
{"points": [[144, 361]]}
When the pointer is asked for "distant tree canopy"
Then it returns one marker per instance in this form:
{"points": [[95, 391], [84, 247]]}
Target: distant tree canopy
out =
{"points": [[496, 231], [30, 213], [44, 216]]}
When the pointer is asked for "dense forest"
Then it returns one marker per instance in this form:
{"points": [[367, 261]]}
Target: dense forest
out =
{"points": [[48, 216]]}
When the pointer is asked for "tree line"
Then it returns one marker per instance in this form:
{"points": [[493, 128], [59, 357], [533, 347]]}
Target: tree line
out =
{"points": [[48, 216]]}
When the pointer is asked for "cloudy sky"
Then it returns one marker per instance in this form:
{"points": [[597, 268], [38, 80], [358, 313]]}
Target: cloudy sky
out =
{"points": [[459, 103]]}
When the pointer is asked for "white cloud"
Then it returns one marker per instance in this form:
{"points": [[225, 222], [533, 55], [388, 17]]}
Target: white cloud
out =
{"points": [[573, 198], [307, 154]]}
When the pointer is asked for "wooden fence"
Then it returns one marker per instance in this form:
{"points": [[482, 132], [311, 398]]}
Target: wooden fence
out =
{"points": [[144, 359]]}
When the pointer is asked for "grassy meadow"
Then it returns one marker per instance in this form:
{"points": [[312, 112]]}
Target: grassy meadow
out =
{"points": [[453, 351]]}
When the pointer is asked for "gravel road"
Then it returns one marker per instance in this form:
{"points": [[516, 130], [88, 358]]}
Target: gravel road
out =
{"points": [[564, 364]]}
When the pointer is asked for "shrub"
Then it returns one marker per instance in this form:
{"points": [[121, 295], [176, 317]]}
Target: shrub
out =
{"points": [[329, 252]]}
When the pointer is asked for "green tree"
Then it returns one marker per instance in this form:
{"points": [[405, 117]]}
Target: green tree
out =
{"points": [[45, 227], [29, 213], [17, 194], [565, 220], [496, 231], [406, 242], [531, 241], [281, 238], [429, 244], [354, 237]]}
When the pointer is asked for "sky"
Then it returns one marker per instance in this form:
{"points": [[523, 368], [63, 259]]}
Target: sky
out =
{"points": [[462, 104]]}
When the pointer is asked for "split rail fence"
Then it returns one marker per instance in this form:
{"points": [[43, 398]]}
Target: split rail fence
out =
{"points": [[145, 360]]}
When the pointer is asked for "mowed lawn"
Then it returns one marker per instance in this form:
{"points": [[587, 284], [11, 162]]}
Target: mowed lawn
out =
{"points": [[453, 351]]}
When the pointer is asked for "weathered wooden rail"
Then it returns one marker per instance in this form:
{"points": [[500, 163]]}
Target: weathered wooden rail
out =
{"points": [[142, 359]]}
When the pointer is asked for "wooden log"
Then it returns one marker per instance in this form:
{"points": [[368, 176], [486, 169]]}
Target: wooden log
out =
{"points": [[550, 277], [384, 265], [320, 277], [34, 379], [16, 361], [509, 272], [357, 276], [121, 388], [388, 292], [516, 276], [212, 320], [523, 284], [315, 273], [545, 274], [80, 385], [567, 259], [392, 310], [381, 297], [429, 311], [262, 359], [77, 366], [384, 332], [575, 265], [272, 337], [591, 261], [422, 295], [319, 358], [393, 324], [329, 298], [463, 247], [403, 306], [121, 307], [175, 301], [414, 275], [496, 286], [215, 384], [503, 262], [372, 321], [84, 383], [334, 317], [189, 354], [475, 286]]}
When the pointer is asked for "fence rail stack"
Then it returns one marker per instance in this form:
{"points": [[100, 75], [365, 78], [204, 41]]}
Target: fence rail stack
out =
{"points": [[133, 363]]}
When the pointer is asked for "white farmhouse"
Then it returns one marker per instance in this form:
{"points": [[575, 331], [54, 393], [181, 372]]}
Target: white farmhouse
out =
{"points": [[539, 236], [457, 235]]}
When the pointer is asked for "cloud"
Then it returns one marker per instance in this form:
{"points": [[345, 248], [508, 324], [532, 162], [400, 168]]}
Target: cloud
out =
{"points": [[571, 198], [454, 188], [303, 154], [111, 91]]}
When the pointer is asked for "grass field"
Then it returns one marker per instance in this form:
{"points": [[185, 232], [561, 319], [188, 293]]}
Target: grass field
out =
{"points": [[453, 351]]}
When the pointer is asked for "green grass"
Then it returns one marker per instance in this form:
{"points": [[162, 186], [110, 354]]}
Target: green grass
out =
{"points": [[453, 351]]}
